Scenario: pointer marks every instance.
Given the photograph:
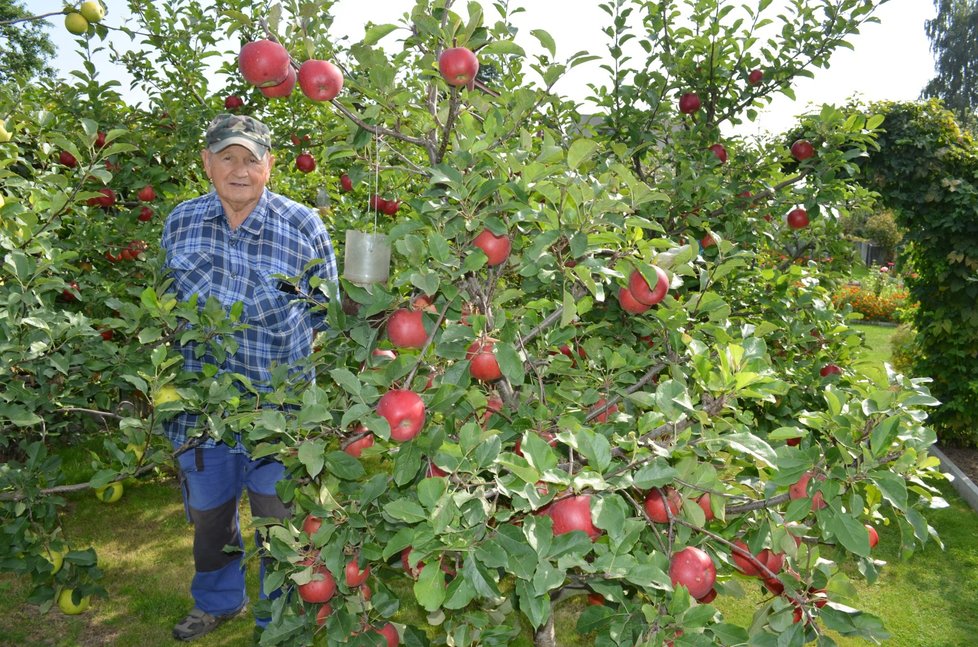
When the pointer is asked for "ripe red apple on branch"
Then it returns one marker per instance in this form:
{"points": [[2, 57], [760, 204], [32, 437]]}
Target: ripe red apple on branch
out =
{"points": [[321, 588], [145, 214], [799, 490], [404, 411], [642, 292], [67, 159], [405, 328], [147, 193], [233, 102], [483, 365], [496, 248], [629, 303], [797, 218], [573, 513], [282, 89], [656, 504], [802, 150], [689, 103], [692, 567], [720, 152], [320, 80], [346, 184], [755, 77], [458, 66], [354, 576], [264, 63], [305, 163]]}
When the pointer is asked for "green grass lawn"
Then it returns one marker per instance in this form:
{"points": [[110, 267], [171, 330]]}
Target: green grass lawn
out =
{"points": [[144, 546]]}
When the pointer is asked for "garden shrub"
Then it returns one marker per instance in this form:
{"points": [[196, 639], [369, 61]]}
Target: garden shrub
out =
{"points": [[903, 347], [881, 228]]}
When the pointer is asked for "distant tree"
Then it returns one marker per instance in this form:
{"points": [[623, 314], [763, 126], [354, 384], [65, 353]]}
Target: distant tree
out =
{"points": [[24, 47], [953, 35]]}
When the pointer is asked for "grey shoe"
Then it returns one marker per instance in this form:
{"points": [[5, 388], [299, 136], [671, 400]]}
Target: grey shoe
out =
{"points": [[198, 623]]}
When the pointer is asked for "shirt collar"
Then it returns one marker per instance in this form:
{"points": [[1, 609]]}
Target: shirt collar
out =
{"points": [[253, 223]]}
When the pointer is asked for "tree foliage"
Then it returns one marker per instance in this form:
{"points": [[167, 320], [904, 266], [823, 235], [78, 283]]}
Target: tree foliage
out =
{"points": [[953, 34], [925, 169], [741, 384], [24, 47]]}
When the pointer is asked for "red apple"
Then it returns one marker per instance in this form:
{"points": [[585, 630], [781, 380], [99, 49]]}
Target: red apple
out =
{"points": [[354, 576], [629, 303], [311, 525], [145, 214], [755, 77], [376, 203], [320, 589], [404, 411], [233, 102], [640, 289], [107, 334], [458, 66], [799, 490], [692, 567], [720, 152], [324, 612], [68, 294], [706, 504], [282, 89], [573, 513], [655, 504], [346, 184], [147, 193], [365, 440], [802, 149], [67, 159], [830, 369], [797, 218], [305, 163], [497, 248], [390, 207], [405, 328], [100, 141], [689, 103], [595, 599], [411, 569], [264, 63], [874, 537], [320, 80], [604, 415], [709, 597], [744, 560], [106, 200], [483, 365], [707, 241], [389, 632]]}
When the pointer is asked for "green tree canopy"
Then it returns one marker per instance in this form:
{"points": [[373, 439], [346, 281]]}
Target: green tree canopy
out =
{"points": [[24, 47], [954, 40]]}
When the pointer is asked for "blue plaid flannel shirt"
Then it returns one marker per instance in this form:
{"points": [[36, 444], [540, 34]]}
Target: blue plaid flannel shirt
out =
{"points": [[205, 257]]}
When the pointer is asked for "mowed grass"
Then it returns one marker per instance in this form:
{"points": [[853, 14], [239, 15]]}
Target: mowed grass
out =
{"points": [[144, 544]]}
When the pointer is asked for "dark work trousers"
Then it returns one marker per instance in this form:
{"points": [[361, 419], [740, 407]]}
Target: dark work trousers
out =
{"points": [[213, 479]]}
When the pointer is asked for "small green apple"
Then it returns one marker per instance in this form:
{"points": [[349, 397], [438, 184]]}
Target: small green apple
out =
{"points": [[110, 493], [76, 23], [5, 135], [92, 10], [67, 603], [135, 449], [55, 557], [166, 394]]}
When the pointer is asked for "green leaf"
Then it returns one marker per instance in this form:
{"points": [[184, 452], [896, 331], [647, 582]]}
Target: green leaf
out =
{"points": [[546, 40], [892, 486], [747, 443], [377, 32], [502, 47], [883, 434], [579, 151], [431, 490], [312, 456], [344, 466], [430, 587], [404, 509], [851, 534], [510, 363], [346, 380]]}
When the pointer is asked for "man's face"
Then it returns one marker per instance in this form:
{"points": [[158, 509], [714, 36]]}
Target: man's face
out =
{"points": [[238, 176]]}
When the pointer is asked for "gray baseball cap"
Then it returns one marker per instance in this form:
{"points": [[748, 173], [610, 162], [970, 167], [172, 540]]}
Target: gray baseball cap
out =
{"points": [[226, 130]]}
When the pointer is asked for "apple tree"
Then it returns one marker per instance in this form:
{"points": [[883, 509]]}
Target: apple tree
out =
{"points": [[560, 424], [522, 416]]}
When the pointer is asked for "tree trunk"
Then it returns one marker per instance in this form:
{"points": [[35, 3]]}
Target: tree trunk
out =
{"points": [[545, 636]]}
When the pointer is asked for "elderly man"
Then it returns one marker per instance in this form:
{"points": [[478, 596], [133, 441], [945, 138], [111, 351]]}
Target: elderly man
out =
{"points": [[234, 244]]}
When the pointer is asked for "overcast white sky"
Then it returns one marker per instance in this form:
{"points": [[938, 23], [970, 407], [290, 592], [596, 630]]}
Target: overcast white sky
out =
{"points": [[890, 60]]}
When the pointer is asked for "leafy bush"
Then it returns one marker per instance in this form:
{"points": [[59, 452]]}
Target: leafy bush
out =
{"points": [[881, 228], [903, 343]]}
